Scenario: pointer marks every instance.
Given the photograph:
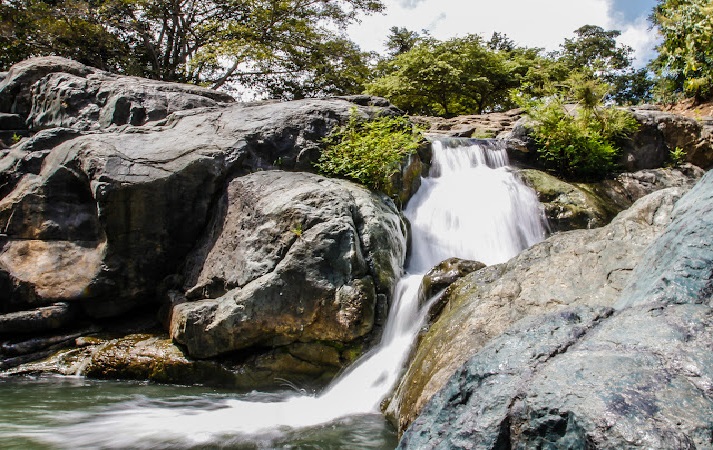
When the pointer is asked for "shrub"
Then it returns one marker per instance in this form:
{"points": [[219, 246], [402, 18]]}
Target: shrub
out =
{"points": [[580, 143], [369, 152]]}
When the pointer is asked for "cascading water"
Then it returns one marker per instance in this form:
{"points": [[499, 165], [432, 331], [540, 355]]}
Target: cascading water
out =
{"points": [[471, 206]]}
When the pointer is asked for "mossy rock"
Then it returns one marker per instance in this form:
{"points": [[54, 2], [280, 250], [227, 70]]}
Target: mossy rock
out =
{"points": [[570, 206]]}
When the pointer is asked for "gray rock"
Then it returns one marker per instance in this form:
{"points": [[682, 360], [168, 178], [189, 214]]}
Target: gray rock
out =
{"points": [[11, 122], [292, 257], [581, 379], [438, 279], [127, 207], [581, 267], [637, 378], [53, 92], [680, 263], [571, 206], [662, 132]]}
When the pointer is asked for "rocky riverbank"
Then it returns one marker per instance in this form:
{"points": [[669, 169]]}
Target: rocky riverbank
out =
{"points": [[163, 232]]}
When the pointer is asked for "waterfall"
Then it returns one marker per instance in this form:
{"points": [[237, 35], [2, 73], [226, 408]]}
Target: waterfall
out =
{"points": [[471, 206]]}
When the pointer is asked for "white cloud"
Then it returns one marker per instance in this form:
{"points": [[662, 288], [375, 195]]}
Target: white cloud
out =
{"points": [[543, 23]]}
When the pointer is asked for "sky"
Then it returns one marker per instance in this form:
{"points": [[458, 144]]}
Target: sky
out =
{"points": [[530, 23]]}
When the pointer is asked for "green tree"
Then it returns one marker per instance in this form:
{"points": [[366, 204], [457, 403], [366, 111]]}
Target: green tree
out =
{"points": [[685, 59], [334, 67], [596, 50], [210, 42], [400, 40], [457, 76]]}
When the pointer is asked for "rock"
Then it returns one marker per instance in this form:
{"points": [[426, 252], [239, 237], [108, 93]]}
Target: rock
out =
{"points": [[471, 126], [581, 267], [36, 320], [571, 206], [53, 92], [662, 132], [154, 357], [679, 268], [478, 399], [11, 122], [128, 206], [578, 379], [292, 257], [438, 279], [635, 378], [627, 187]]}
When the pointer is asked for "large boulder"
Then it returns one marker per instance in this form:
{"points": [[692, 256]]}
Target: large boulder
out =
{"points": [[291, 257], [580, 267], [662, 132], [128, 206], [593, 377]]}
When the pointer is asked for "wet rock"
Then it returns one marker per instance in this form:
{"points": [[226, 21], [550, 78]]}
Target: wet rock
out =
{"points": [[580, 267], [292, 257], [441, 277], [571, 206]]}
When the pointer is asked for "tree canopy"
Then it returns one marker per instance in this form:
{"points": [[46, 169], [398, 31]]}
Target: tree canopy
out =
{"points": [[457, 76], [207, 41], [685, 59]]}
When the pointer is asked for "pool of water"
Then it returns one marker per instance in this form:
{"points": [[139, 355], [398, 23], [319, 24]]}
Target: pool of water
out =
{"points": [[66, 412]]}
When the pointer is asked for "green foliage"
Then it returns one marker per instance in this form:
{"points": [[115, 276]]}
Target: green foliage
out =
{"points": [[676, 157], [16, 138], [579, 140], [685, 57], [203, 42], [369, 152], [596, 51], [297, 229], [457, 76]]}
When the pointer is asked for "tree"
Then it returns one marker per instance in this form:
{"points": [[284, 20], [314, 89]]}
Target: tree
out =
{"points": [[457, 76], [334, 67], [685, 60], [596, 50], [400, 40], [207, 41]]}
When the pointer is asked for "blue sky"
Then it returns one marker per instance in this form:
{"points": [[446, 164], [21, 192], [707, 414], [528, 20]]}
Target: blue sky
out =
{"points": [[532, 23]]}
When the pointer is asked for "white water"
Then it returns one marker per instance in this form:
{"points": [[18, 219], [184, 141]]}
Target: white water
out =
{"points": [[472, 206]]}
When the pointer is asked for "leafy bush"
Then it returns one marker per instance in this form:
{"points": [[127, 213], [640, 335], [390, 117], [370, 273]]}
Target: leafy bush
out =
{"points": [[576, 136], [580, 143], [369, 152]]}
